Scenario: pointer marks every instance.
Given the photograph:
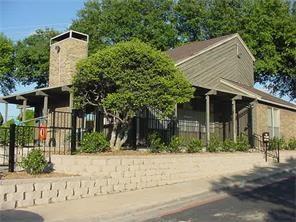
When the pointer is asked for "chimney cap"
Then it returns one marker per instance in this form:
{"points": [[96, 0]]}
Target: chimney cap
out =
{"points": [[69, 34]]}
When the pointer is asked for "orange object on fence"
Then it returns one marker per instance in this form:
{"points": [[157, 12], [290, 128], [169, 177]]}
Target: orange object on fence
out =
{"points": [[42, 132]]}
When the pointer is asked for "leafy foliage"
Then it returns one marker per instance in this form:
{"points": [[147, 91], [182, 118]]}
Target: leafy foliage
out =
{"points": [[109, 22], [155, 143], [267, 26], [215, 145], [229, 145], [194, 146], [291, 144], [175, 145], [6, 65], [283, 144], [126, 78], [32, 58], [34, 162], [242, 143], [94, 142]]}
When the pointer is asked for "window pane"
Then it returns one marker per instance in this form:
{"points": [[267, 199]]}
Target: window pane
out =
{"points": [[276, 118], [269, 122]]}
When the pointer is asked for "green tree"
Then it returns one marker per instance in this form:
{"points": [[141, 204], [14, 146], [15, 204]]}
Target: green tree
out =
{"points": [[126, 78], [6, 64], [32, 58], [191, 16], [267, 26], [111, 21]]}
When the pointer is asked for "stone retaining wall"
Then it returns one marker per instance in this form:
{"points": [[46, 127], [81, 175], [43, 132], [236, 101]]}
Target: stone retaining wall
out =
{"points": [[110, 174]]}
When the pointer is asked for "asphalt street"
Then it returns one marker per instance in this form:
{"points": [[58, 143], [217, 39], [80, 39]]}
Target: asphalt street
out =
{"points": [[274, 202]]}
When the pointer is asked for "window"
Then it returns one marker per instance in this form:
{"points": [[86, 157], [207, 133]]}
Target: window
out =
{"points": [[273, 122]]}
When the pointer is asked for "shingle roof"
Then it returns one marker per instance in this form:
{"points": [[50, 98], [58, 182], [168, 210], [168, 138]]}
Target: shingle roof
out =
{"points": [[264, 96], [190, 49]]}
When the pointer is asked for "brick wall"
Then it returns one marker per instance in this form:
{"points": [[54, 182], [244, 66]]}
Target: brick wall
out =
{"points": [[63, 64], [287, 121], [101, 175]]}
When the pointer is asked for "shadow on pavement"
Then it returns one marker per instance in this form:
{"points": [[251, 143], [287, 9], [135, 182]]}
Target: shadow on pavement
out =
{"points": [[19, 215], [282, 194]]}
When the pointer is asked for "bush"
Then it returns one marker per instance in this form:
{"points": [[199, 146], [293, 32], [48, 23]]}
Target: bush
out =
{"points": [[229, 145], [34, 163], [291, 144], [214, 145], [274, 142], [242, 143], [155, 143], [94, 142], [175, 145], [194, 146]]}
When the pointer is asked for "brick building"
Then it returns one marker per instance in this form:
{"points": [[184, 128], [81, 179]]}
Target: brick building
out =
{"points": [[225, 105]]}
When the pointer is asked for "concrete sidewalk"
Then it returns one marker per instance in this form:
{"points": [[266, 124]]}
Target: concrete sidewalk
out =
{"points": [[116, 207]]}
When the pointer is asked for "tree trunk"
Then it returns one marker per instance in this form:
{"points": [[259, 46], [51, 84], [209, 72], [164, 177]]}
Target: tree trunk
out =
{"points": [[118, 137], [113, 137]]}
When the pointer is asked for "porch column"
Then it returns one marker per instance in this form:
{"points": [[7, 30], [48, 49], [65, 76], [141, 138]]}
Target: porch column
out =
{"points": [[45, 103], [211, 92], [5, 117], [68, 89], [24, 107], [6, 112], [24, 110], [234, 117], [208, 118]]}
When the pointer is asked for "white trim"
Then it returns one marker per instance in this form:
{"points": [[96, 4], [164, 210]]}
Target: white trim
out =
{"points": [[70, 36], [278, 104], [216, 45], [255, 95], [250, 94], [32, 91], [223, 90]]}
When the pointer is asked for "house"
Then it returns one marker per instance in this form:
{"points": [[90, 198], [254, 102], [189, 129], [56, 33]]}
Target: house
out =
{"points": [[225, 104]]}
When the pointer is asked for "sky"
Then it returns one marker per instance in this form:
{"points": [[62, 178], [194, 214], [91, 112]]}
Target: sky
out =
{"points": [[20, 18]]}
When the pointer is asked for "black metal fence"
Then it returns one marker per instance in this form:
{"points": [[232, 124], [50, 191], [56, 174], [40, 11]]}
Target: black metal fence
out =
{"points": [[65, 131], [4, 147]]}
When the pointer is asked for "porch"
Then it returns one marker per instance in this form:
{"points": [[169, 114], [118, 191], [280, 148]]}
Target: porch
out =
{"points": [[209, 114]]}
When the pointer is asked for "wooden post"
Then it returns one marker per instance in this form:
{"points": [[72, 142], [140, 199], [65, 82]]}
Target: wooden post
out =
{"points": [[211, 92], [208, 118], [6, 112], [24, 108], [234, 120], [45, 106], [234, 117]]}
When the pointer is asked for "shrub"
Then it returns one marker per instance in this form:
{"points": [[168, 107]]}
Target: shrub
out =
{"points": [[155, 143], [175, 145], [214, 145], [94, 142], [274, 142], [194, 146], [229, 145], [291, 144], [34, 163], [242, 143]]}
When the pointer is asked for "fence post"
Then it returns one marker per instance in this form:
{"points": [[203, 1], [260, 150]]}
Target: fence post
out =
{"points": [[73, 130], [11, 148], [278, 152]]}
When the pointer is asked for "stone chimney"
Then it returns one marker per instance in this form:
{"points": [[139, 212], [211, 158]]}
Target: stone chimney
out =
{"points": [[66, 50]]}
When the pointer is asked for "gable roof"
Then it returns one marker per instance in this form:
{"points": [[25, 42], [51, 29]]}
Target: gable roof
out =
{"points": [[188, 51], [258, 94]]}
